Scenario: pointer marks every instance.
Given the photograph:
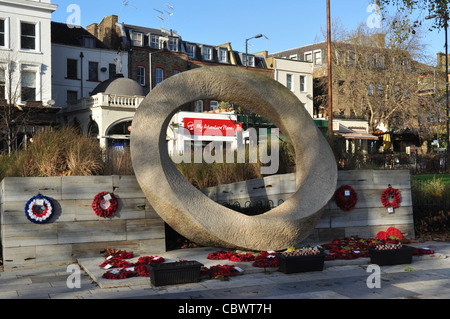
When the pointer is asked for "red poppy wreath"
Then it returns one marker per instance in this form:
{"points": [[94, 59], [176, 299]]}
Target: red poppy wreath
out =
{"points": [[346, 197], [387, 194], [104, 204]]}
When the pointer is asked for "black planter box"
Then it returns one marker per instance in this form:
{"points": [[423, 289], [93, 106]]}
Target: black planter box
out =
{"points": [[296, 264], [391, 257], [174, 273]]}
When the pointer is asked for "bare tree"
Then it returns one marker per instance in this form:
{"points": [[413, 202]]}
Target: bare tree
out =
{"points": [[407, 9], [375, 76], [16, 85]]}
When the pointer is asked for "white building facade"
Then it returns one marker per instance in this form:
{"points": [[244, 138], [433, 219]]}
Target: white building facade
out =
{"points": [[83, 62], [108, 114], [25, 51], [297, 76]]}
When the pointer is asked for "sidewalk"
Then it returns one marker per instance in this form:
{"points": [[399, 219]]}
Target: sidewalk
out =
{"points": [[427, 277]]}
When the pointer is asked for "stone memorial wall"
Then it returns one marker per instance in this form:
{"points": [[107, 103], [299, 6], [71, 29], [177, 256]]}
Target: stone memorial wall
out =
{"points": [[74, 230], [367, 218]]}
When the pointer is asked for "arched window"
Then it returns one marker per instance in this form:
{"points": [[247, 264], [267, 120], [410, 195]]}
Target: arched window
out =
{"points": [[93, 130], [118, 135], [122, 128], [77, 126]]}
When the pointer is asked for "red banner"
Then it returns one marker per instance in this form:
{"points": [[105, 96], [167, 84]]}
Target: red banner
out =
{"points": [[210, 127]]}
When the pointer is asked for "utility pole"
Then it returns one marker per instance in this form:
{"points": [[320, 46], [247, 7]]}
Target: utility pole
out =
{"points": [[330, 74], [81, 74], [446, 88]]}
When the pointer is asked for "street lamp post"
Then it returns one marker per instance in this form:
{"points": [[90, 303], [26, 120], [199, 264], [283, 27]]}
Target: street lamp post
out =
{"points": [[81, 75], [446, 88], [330, 75], [246, 48]]}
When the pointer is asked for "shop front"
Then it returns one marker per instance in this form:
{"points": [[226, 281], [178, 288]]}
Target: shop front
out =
{"points": [[189, 129]]}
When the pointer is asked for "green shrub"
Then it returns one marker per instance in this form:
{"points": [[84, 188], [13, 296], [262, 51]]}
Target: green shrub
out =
{"points": [[435, 187]]}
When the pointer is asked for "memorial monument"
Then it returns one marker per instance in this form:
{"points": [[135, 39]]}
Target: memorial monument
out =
{"points": [[185, 208]]}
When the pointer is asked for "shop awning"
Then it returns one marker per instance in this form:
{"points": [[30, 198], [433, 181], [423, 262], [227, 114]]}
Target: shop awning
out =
{"points": [[358, 136]]}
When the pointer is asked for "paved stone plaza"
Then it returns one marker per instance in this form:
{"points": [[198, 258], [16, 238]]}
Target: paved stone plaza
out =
{"points": [[428, 277]]}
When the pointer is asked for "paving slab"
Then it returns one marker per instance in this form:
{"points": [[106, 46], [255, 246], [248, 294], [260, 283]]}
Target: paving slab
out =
{"points": [[93, 269], [92, 266], [428, 277]]}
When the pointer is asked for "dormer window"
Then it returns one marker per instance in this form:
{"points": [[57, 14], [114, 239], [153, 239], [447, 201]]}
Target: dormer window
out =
{"points": [[223, 55], [173, 44], [318, 57], [137, 39], [308, 57], [88, 42], [250, 59], [191, 50], [154, 41], [207, 53]]}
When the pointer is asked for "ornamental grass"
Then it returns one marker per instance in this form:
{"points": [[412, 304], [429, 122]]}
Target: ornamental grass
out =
{"points": [[118, 161], [204, 175], [62, 152]]}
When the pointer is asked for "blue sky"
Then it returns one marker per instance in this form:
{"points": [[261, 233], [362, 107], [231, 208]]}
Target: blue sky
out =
{"points": [[284, 23]]}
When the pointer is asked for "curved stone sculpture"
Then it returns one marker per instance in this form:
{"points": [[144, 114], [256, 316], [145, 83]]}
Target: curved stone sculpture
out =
{"points": [[195, 216]]}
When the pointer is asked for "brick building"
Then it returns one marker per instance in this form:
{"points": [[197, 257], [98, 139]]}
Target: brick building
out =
{"points": [[344, 54], [157, 54]]}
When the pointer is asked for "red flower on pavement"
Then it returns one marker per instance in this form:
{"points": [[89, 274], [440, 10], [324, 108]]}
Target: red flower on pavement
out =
{"points": [[141, 265], [220, 255], [242, 257], [266, 260], [122, 274], [219, 271]]}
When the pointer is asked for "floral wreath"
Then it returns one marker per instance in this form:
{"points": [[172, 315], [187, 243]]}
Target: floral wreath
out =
{"points": [[387, 193], [104, 204], [391, 233], [346, 202], [39, 209]]}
